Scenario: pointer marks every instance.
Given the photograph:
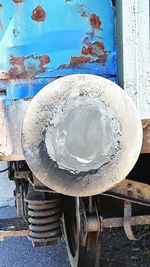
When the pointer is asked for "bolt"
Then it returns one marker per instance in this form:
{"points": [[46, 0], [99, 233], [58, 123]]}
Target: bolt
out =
{"points": [[130, 186], [129, 193]]}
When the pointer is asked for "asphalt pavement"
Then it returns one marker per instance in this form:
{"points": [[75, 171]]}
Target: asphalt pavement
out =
{"points": [[18, 251]]}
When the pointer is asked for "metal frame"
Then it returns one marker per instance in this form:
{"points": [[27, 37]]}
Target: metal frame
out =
{"points": [[133, 31], [133, 191]]}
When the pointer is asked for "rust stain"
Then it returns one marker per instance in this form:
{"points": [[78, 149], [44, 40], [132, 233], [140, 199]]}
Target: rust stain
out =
{"points": [[146, 136], [38, 14], [14, 73], [79, 60], [95, 49], [91, 51], [26, 67], [95, 21], [18, 1], [44, 59], [17, 60], [74, 61]]}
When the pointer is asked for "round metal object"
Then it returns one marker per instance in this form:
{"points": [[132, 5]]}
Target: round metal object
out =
{"points": [[81, 135], [75, 233]]}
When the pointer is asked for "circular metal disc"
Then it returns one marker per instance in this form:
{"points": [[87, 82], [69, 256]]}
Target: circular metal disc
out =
{"points": [[81, 135]]}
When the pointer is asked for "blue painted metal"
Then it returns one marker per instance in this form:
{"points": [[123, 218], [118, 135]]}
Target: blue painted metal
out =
{"points": [[43, 40]]}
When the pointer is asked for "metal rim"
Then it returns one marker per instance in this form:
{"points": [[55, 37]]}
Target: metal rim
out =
{"points": [[46, 110], [71, 233], [79, 254]]}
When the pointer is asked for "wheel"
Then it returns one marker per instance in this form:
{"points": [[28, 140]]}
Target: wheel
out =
{"points": [[83, 247]]}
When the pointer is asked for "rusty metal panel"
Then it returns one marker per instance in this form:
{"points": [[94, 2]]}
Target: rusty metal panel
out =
{"points": [[134, 191], [146, 136], [41, 41]]}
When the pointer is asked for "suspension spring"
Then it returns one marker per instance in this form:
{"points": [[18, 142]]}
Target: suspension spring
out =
{"points": [[44, 221]]}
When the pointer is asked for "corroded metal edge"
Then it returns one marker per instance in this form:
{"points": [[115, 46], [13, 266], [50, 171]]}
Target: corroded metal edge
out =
{"points": [[118, 222], [146, 136], [133, 191]]}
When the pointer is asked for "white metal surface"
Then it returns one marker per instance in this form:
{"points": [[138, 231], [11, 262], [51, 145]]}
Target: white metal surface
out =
{"points": [[11, 117], [134, 54], [47, 127]]}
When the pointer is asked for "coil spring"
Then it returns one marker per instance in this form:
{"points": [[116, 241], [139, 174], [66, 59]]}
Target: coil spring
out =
{"points": [[44, 220]]}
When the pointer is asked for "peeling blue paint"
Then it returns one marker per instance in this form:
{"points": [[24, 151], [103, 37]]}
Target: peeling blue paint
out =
{"points": [[60, 36]]}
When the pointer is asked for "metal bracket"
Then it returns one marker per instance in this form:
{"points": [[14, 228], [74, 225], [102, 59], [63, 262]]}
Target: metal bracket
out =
{"points": [[22, 175], [127, 223], [131, 190], [91, 221]]}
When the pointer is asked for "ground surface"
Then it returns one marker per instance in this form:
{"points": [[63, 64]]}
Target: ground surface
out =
{"points": [[18, 252]]}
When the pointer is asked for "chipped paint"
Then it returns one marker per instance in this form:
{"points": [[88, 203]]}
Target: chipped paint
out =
{"points": [[16, 60], [38, 14], [82, 43], [26, 67], [95, 21], [79, 60], [95, 49]]}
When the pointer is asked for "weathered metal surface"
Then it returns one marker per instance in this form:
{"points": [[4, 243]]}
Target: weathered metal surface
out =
{"points": [[41, 42], [119, 221], [13, 227], [22, 175], [9, 225], [131, 190], [133, 37], [11, 117], [67, 167], [127, 223], [146, 136]]}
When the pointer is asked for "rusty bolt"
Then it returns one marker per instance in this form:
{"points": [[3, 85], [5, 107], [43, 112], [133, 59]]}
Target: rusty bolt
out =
{"points": [[130, 193], [129, 186]]}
